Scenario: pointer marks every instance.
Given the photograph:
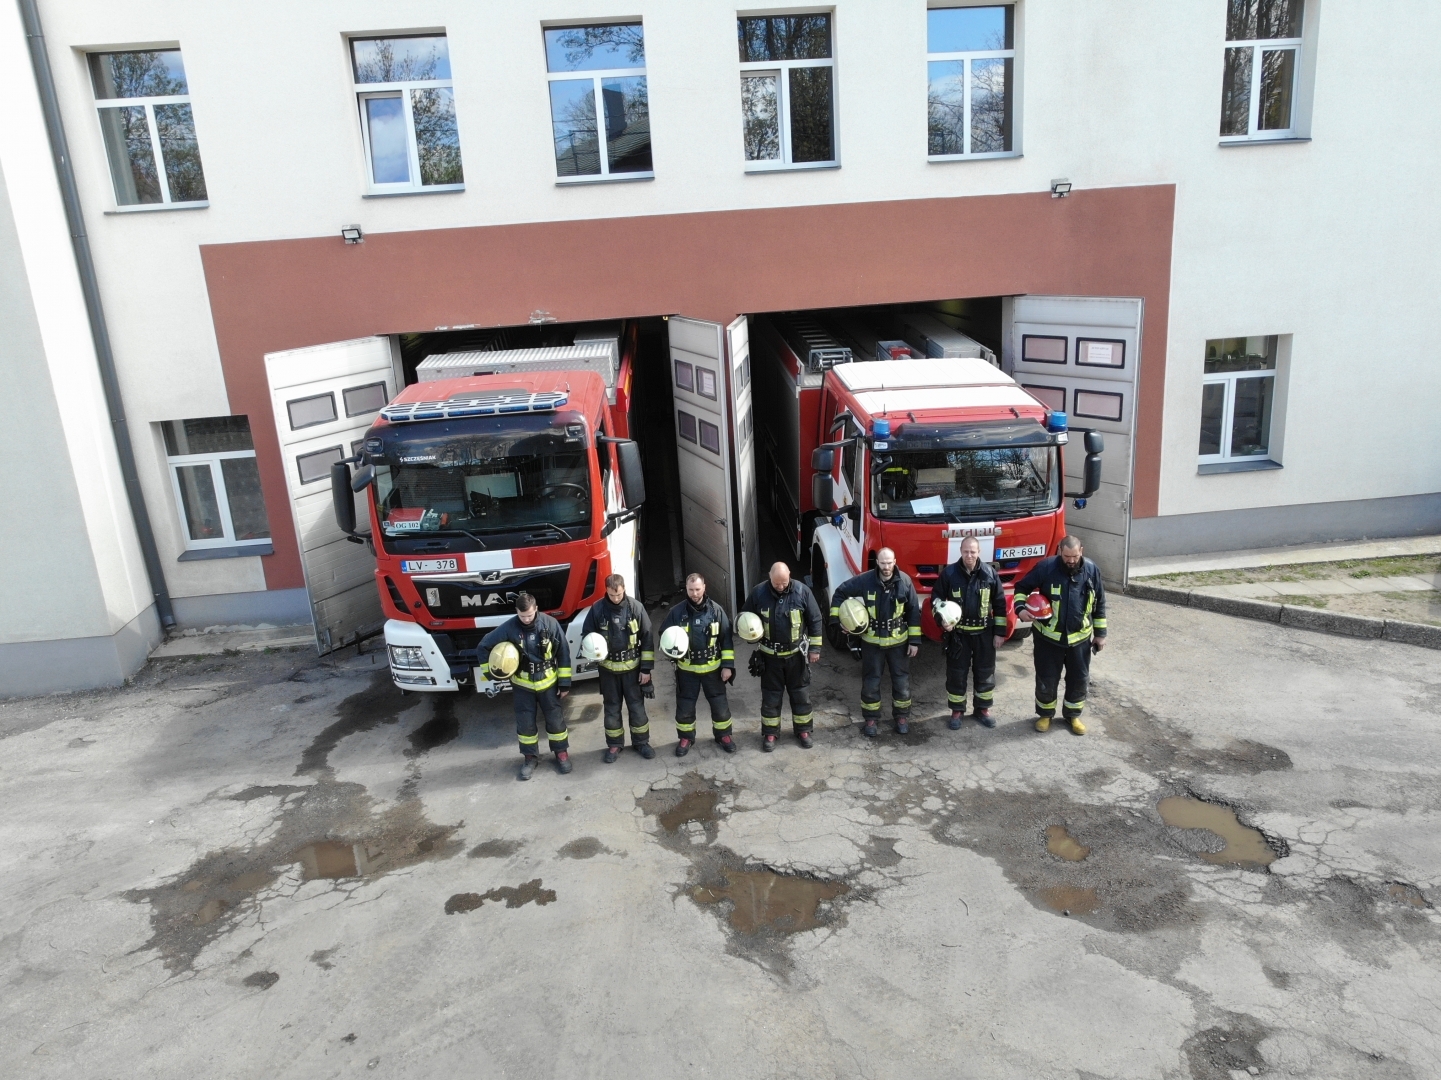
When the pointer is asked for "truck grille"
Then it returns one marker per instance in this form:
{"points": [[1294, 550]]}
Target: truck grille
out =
{"points": [[450, 598]]}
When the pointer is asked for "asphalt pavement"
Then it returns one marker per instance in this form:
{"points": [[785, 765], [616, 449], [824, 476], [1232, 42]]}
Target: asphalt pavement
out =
{"points": [[273, 865]]}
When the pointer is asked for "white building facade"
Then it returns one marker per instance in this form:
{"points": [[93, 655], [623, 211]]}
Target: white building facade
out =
{"points": [[565, 160]]}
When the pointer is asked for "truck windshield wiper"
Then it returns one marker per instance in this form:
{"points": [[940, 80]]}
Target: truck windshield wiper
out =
{"points": [[453, 530], [537, 526]]}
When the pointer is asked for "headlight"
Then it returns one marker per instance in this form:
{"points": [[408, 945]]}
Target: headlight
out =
{"points": [[408, 657]]}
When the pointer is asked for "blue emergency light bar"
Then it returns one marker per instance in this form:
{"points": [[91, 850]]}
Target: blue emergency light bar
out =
{"points": [[489, 403], [1056, 422]]}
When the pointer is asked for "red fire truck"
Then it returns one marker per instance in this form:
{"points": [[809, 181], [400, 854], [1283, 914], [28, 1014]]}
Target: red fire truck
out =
{"points": [[917, 454], [481, 486]]}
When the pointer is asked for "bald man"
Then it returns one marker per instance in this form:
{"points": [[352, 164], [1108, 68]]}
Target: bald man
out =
{"points": [[891, 638], [790, 643]]}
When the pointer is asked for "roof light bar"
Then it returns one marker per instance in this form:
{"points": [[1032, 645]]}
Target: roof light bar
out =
{"points": [[489, 403]]}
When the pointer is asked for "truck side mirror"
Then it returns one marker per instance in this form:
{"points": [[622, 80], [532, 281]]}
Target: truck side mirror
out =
{"points": [[823, 460], [632, 475], [341, 497], [1095, 442], [364, 477], [1092, 475], [823, 492]]}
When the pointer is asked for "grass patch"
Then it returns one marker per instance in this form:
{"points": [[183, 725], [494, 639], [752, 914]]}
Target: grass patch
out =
{"points": [[1299, 601], [1390, 566]]}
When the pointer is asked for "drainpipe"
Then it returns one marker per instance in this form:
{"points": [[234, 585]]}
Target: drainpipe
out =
{"points": [[85, 264]]}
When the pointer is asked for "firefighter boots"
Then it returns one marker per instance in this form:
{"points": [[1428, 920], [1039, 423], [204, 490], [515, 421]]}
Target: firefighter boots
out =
{"points": [[682, 747], [984, 718], [804, 738], [646, 750], [727, 744], [956, 717], [1043, 724], [869, 729], [768, 744], [527, 767], [1077, 728], [903, 726], [562, 762], [611, 753]]}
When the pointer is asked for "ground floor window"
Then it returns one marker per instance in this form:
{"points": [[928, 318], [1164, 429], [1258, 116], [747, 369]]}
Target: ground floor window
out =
{"points": [[1237, 397], [216, 482]]}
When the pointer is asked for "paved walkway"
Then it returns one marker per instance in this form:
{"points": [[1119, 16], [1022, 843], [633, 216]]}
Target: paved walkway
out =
{"points": [[1284, 556], [1325, 586]]}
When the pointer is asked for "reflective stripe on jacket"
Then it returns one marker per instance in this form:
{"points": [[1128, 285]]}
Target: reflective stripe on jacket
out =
{"points": [[1078, 601], [711, 646], [627, 633], [980, 594], [791, 619], [893, 607], [544, 652]]}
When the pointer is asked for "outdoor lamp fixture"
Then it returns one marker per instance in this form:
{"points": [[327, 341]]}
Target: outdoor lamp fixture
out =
{"points": [[351, 234], [1060, 188]]}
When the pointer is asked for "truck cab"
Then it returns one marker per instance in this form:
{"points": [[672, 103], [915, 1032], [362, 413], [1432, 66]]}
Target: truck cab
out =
{"points": [[917, 454]]}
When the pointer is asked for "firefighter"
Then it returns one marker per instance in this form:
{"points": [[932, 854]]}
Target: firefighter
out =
{"points": [[1065, 640], [707, 665], [971, 584], [790, 642], [890, 639], [625, 671], [540, 682]]}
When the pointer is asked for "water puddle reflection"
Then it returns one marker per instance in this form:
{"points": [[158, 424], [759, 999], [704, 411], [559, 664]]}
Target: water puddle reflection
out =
{"points": [[1245, 846], [763, 899]]}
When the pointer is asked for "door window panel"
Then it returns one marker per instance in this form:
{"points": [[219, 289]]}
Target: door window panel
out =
{"points": [[1043, 349], [308, 411], [316, 465]]}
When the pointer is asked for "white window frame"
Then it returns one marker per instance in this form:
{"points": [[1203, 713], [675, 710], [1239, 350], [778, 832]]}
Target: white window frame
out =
{"points": [[602, 136], [1253, 116], [781, 70], [149, 103], [980, 54], [1229, 379], [365, 91], [222, 497]]}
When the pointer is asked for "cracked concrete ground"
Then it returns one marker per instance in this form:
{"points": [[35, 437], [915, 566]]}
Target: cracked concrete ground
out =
{"points": [[272, 865]]}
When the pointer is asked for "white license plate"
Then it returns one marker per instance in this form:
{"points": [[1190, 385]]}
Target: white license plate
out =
{"points": [[1021, 552], [427, 566]]}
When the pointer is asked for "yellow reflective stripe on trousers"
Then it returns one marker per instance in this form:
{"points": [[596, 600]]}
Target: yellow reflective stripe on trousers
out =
{"points": [[620, 665]]}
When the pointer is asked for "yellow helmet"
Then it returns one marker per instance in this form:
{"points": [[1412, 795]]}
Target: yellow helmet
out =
{"points": [[749, 626], [854, 616], [594, 647], [948, 614], [504, 660]]}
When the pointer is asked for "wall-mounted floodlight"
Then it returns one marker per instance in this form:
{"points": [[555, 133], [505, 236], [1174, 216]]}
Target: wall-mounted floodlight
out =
{"points": [[351, 234], [1060, 188]]}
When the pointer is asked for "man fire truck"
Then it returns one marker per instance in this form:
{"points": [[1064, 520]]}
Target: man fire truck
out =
{"points": [[915, 455], [482, 487]]}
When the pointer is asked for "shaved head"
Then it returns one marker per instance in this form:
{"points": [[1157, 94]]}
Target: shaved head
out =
{"points": [[780, 576]]}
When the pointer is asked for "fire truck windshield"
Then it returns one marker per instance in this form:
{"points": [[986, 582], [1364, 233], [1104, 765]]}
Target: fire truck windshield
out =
{"points": [[522, 474], [956, 485]]}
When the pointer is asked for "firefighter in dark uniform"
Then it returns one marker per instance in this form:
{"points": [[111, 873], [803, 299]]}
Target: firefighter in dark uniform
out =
{"points": [[706, 667], [972, 584], [1065, 641], [540, 682], [790, 643], [630, 656], [891, 637]]}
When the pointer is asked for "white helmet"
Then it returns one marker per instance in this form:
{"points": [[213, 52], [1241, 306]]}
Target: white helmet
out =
{"points": [[854, 616], [593, 647], [504, 660], [675, 642], [749, 626], [948, 614]]}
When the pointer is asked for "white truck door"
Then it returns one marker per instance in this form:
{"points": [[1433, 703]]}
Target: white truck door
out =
{"points": [[702, 427], [325, 398], [1080, 354], [743, 440]]}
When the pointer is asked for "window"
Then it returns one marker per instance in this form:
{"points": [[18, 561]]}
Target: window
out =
{"points": [[1100, 352], [971, 57], [1043, 349], [613, 60], [787, 91], [217, 485], [1258, 87], [149, 133], [1237, 396], [407, 113]]}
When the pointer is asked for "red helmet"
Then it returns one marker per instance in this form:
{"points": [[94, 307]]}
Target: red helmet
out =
{"points": [[1038, 606]]}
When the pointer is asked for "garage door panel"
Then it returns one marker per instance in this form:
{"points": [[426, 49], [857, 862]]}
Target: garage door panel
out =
{"points": [[347, 617], [1104, 549], [1106, 509], [695, 523]]}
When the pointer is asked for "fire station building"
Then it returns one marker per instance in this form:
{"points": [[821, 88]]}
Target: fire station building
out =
{"points": [[1204, 229]]}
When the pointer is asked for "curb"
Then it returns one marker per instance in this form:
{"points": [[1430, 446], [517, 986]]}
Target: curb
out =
{"points": [[1302, 618]]}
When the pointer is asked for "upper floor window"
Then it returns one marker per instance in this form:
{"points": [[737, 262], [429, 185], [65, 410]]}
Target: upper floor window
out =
{"points": [[407, 113], [971, 57], [788, 91], [216, 482], [1237, 396], [1263, 52], [149, 133], [600, 121]]}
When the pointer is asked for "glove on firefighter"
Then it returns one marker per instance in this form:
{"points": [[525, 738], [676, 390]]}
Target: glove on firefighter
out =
{"points": [[757, 664]]}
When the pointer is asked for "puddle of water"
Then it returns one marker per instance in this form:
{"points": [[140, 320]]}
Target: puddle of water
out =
{"points": [[763, 899], [262, 980], [696, 806], [1407, 894], [1061, 843], [1245, 846], [514, 896], [440, 729], [332, 859], [587, 847], [1071, 898], [495, 849]]}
